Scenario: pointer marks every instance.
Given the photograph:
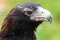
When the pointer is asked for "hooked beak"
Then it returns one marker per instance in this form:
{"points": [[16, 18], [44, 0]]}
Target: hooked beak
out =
{"points": [[41, 14]]}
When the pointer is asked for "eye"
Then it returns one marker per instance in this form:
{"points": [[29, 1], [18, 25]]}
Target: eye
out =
{"points": [[29, 12]]}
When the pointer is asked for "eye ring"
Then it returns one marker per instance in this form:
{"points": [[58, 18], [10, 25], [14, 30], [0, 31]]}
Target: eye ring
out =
{"points": [[28, 13]]}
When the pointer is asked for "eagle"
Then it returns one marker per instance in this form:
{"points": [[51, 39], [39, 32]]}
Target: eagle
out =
{"points": [[22, 21]]}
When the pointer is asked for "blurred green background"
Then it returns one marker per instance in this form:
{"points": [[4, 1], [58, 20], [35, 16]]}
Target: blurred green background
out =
{"points": [[45, 31]]}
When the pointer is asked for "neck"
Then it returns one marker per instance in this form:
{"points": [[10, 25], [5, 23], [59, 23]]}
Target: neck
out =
{"points": [[24, 31]]}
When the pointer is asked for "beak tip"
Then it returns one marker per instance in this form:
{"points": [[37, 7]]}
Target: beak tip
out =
{"points": [[50, 19]]}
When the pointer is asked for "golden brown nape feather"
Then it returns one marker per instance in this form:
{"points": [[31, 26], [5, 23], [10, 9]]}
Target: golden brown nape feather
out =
{"points": [[8, 25]]}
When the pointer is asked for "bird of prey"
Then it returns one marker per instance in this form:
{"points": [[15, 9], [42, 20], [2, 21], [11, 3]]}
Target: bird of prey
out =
{"points": [[22, 21]]}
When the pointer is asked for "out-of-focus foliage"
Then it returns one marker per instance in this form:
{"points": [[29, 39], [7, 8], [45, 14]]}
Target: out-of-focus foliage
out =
{"points": [[45, 31]]}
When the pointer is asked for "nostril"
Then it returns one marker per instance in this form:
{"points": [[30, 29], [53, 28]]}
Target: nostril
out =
{"points": [[41, 12]]}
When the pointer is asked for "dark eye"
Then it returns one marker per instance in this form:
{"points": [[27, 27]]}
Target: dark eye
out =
{"points": [[29, 12]]}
